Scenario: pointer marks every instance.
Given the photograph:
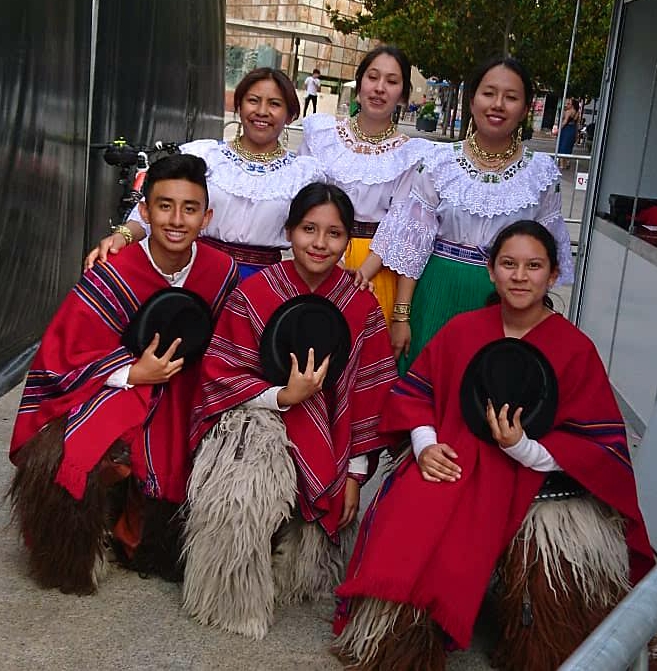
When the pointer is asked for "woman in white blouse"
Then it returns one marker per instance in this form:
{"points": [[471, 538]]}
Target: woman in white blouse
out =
{"points": [[466, 192], [251, 180], [368, 158]]}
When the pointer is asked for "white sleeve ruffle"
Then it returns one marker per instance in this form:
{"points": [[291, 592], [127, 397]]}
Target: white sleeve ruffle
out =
{"points": [[404, 238], [553, 220]]}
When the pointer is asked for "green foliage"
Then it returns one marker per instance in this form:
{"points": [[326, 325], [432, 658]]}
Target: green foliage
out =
{"points": [[447, 38], [428, 110]]}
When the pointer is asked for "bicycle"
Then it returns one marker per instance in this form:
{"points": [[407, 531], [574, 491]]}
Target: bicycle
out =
{"points": [[133, 163]]}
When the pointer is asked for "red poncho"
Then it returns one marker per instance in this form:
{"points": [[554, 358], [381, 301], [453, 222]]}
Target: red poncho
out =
{"points": [[81, 348], [330, 427], [435, 545]]}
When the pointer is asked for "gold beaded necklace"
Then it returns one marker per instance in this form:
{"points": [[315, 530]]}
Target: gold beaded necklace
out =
{"points": [[264, 157], [377, 138], [492, 159]]}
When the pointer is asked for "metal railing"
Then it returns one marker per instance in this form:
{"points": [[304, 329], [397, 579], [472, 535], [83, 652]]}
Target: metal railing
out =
{"points": [[574, 219], [620, 641], [577, 159]]}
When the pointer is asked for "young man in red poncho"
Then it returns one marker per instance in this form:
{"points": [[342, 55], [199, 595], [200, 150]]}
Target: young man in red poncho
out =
{"points": [[458, 506], [102, 433], [270, 453]]}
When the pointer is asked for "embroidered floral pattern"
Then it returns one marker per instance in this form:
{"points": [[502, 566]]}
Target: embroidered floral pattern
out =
{"points": [[489, 193], [345, 159], [280, 179]]}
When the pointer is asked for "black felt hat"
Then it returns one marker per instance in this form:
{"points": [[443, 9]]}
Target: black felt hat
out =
{"points": [[297, 325], [173, 313], [515, 372]]}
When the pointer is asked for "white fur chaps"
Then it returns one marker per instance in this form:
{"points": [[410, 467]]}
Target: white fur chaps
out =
{"points": [[243, 552]]}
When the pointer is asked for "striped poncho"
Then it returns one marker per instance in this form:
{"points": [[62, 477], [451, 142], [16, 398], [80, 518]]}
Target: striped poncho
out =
{"points": [[82, 347]]}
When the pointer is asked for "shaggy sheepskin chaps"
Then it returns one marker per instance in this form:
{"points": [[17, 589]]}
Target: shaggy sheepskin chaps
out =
{"points": [[246, 547]]}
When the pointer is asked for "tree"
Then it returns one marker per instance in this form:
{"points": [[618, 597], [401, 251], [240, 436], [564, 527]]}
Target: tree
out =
{"points": [[547, 60], [447, 38]]}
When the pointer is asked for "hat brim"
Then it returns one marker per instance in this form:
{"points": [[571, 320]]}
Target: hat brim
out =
{"points": [[173, 312], [511, 371], [300, 323]]}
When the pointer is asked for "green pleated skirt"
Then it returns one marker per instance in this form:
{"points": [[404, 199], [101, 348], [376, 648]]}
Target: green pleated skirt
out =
{"points": [[446, 288]]}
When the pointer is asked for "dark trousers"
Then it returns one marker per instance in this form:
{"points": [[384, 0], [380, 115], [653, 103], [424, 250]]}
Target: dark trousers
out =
{"points": [[314, 101]]}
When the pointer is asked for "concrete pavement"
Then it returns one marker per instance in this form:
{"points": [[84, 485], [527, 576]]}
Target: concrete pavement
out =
{"points": [[137, 624]]}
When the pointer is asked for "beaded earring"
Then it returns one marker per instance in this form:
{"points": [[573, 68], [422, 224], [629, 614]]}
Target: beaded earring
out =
{"points": [[470, 131], [519, 134]]}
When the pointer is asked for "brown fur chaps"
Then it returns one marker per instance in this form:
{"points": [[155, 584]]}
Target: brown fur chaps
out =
{"points": [[65, 537]]}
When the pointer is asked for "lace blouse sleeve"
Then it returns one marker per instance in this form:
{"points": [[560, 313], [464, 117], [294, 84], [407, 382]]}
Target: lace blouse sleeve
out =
{"points": [[304, 149], [404, 237], [136, 216], [552, 219]]}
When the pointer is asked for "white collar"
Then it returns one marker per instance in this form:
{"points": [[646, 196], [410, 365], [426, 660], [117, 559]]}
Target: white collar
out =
{"points": [[344, 164], [281, 179], [176, 279], [487, 194]]}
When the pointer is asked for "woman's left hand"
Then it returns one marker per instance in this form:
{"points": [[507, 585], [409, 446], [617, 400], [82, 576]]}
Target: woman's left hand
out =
{"points": [[400, 338], [350, 505], [360, 281], [506, 434]]}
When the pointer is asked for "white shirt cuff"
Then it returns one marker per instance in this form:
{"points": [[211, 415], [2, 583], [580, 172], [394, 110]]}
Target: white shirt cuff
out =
{"points": [[267, 400], [532, 454], [119, 378], [359, 465], [421, 438]]}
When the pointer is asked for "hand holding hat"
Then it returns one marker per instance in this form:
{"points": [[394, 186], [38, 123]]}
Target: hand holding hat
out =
{"points": [[509, 377], [300, 325], [301, 386], [151, 369], [506, 433], [171, 315]]}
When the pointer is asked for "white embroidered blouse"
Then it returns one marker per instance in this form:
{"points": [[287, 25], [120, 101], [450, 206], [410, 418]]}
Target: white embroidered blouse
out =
{"points": [[452, 200], [250, 200], [371, 175]]}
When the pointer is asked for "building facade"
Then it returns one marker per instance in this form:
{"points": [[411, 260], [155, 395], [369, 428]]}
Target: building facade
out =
{"points": [[304, 19]]}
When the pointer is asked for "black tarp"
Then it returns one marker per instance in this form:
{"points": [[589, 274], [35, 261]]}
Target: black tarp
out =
{"points": [[158, 76]]}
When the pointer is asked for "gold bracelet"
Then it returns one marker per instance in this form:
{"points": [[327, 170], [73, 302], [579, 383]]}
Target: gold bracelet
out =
{"points": [[400, 320], [125, 232], [401, 309]]}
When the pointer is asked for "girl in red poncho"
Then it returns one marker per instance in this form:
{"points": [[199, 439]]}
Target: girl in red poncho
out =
{"points": [[271, 453], [457, 507]]}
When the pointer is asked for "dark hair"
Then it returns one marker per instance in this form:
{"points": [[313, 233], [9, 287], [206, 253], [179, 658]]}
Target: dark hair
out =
{"points": [[575, 103], [318, 193], [279, 78], [316, 71], [398, 55], [534, 230], [508, 62], [177, 166]]}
